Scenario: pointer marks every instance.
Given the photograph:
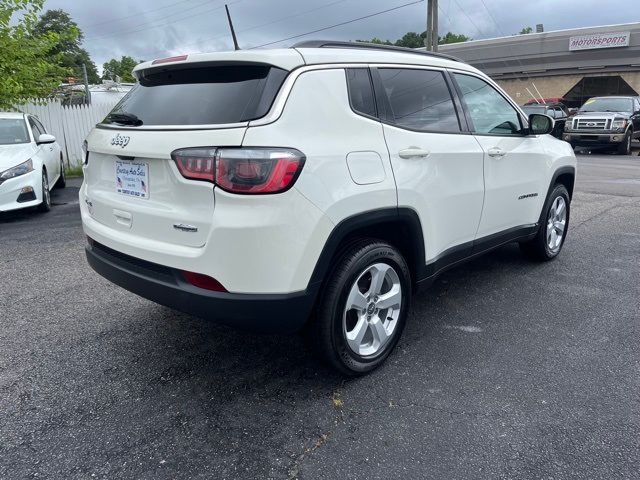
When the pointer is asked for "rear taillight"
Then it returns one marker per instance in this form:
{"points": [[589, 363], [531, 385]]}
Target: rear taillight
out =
{"points": [[195, 163], [242, 170]]}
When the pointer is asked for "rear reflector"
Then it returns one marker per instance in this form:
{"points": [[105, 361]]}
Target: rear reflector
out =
{"points": [[252, 171], [203, 281], [178, 58]]}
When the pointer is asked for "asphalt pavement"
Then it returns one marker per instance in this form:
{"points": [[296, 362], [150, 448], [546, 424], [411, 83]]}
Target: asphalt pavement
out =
{"points": [[507, 368]]}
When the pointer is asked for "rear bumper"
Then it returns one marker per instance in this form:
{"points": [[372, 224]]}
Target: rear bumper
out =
{"points": [[594, 139], [268, 313]]}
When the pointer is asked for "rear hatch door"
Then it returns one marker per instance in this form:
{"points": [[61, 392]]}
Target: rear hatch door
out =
{"points": [[133, 185]]}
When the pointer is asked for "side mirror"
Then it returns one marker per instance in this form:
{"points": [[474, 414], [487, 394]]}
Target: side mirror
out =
{"points": [[540, 124], [45, 138]]}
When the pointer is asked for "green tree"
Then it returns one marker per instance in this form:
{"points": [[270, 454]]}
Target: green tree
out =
{"points": [[121, 68], [72, 54], [27, 67], [416, 40], [377, 41], [411, 40], [525, 30], [451, 37]]}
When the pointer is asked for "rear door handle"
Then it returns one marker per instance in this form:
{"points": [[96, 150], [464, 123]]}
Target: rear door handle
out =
{"points": [[496, 152], [413, 152]]}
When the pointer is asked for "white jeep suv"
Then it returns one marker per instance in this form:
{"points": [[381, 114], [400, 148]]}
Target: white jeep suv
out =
{"points": [[316, 187]]}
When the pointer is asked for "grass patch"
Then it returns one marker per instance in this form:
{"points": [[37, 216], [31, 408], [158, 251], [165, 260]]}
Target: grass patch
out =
{"points": [[73, 171]]}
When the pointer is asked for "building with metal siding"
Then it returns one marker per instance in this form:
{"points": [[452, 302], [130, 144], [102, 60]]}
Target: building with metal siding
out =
{"points": [[547, 64]]}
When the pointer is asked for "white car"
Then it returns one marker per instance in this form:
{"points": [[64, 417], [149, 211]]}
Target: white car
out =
{"points": [[30, 163], [316, 187]]}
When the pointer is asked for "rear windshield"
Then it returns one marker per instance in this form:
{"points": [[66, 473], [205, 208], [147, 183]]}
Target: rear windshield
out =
{"points": [[200, 96]]}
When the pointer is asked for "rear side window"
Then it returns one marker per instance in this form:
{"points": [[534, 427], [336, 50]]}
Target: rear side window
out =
{"points": [[200, 96], [361, 91], [419, 100]]}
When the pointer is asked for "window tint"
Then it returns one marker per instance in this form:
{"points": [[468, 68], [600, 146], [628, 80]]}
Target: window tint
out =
{"points": [[202, 96], [419, 99], [490, 112], [361, 91]]}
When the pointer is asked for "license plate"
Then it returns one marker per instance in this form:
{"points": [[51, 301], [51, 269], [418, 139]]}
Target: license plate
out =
{"points": [[132, 179]]}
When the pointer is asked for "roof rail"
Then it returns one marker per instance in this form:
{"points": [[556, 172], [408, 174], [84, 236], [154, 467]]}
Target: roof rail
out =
{"points": [[371, 46]]}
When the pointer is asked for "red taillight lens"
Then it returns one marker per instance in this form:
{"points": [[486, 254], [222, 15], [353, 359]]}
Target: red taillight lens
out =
{"points": [[242, 170], [203, 281], [195, 163], [257, 170]]}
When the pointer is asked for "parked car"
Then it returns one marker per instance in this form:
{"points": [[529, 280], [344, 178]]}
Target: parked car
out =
{"points": [[316, 187], [31, 163], [555, 111], [605, 123], [547, 101]]}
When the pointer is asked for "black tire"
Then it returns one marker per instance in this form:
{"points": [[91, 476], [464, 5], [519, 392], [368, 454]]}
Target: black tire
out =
{"points": [[625, 147], [62, 179], [538, 248], [328, 329], [45, 205]]}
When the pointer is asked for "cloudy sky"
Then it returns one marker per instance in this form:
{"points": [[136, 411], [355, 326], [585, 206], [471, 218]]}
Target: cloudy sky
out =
{"points": [[146, 29]]}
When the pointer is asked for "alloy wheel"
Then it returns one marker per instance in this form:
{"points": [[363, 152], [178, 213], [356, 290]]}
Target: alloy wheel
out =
{"points": [[372, 309], [556, 224]]}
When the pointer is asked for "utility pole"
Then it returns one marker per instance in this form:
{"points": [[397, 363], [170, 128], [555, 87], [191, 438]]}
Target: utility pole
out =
{"points": [[431, 40], [86, 84]]}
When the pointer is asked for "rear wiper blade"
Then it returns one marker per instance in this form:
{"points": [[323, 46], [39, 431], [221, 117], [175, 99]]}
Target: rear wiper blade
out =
{"points": [[124, 118]]}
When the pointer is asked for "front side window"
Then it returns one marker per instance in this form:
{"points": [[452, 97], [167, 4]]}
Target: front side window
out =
{"points": [[489, 111], [35, 128], [12, 131], [419, 100]]}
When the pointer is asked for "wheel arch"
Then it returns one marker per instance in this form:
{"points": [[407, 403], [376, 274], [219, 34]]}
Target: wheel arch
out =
{"points": [[566, 176], [400, 227]]}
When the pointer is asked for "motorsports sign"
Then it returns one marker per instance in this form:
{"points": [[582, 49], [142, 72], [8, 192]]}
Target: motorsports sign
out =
{"points": [[599, 40]]}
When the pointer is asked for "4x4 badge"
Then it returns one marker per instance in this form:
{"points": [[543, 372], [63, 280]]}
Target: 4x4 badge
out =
{"points": [[121, 140]]}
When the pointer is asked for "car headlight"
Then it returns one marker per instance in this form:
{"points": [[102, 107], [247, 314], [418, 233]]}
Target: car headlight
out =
{"points": [[16, 171], [567, 125], [619, 124]]}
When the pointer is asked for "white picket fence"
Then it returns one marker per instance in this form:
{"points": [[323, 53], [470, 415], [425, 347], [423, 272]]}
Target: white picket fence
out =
{"points": [[70, 125]]}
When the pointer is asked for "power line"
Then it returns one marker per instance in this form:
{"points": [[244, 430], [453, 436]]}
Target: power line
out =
{"points": [[469, 18], [282, 19], [171, 22], [339, 24], [137, 14]]}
